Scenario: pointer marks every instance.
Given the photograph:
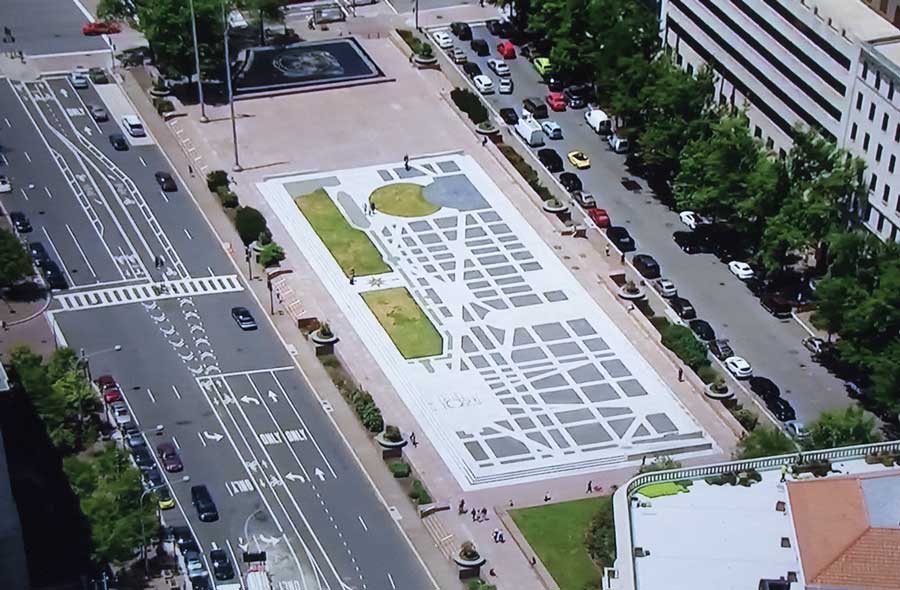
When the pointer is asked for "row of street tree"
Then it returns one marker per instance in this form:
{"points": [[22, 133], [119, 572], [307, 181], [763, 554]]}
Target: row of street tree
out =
{"points": [[801, 210]]}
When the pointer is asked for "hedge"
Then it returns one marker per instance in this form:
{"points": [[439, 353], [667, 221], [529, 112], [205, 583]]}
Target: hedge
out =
{"points": [[681, 341], [216, 179], [227, 198], [469, 103], [250, 223], [399, 469], [601, 536], [369, 414], [419, 493], [528, 173]]}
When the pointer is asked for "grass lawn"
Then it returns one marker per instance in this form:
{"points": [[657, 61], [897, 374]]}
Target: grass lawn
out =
{"points": [[556, 532], [350, 247], [658, 490], [403, 199], [409, 328]]}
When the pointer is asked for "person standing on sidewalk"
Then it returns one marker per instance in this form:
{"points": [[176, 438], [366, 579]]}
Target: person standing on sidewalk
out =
{"points": [[590, 487]]}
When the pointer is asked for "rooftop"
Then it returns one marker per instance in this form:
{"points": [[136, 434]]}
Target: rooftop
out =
{"points": [[855, 17]]}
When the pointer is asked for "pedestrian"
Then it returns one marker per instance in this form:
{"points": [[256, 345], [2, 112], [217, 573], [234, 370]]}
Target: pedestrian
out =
{"points": [[366, 208], [462, 507], [484, 515], [372, 208], [590, 487], [352, 276], [496, 535], [406, 162], [607, 250], [501, 538], [3, 325], [643, 460], [783, 472], [474, 514], [190, 170], [680, 374], [412, 439], [481, 3], [510, 503], [547, 497], [622, 258], [492, 572], [533, 561], [630, 307]]}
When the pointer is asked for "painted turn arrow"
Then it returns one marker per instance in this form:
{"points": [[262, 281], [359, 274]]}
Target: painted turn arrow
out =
{"points": [[295, 477], [213, 436], [273, 396], [320, 474], [250, 400]]}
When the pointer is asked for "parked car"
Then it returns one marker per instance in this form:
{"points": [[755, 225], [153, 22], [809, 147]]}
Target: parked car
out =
{"points": [[5, 184], [471, 69], [542, 65], [738, 366], [619, 236], [601, 218], [480, 47], [764, 387], [20, 222], [243, 318], [498, 66], [691, 219], [646, 265], [585, 199], [98, 113], [164, 498], [165, 181], [556, 102], [509, 116], [458, 56], [782, 409], [221, 565], [184, 539], [552, 129], [54, 276], [134, 440], [203, 503], [109, 389], [506, 50], [536, 107], [98, 76], [38, 253], [555, 83], [776, 305], [683, 308], [689, 242], [193, 562], [577, 95], [505, 86], [169, 457], [79, 81], [100, 27], [143, 458], [550, 159], [443, 40], [462, 31], [118, 141], [702, 329], [814, 345], [721, 349], [493, 26], [796, 429], [756, 286], [483, 84], [570, 182], [665, 287], [618, 144], [579, 159], [740, 269]]}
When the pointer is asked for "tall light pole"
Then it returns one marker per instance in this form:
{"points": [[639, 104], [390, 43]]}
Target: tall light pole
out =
{"points": [[85, 359], [237, 163], [203, 117], [416, 10], [141, 510]]}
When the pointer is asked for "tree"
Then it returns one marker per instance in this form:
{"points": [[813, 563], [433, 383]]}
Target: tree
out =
{"points": [[841, 429], [886, 378], [15, 261], [61, 362], [250, 223], [79, 401], [835, 297], [764, 442], [266, 10]]}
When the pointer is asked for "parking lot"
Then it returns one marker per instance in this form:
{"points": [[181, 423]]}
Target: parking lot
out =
{"points": [[772, 346]]}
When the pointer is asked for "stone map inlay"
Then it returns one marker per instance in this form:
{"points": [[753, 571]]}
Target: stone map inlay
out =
{"points": [[535, 380]]}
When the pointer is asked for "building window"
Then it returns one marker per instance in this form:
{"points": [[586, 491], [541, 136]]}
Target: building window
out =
{"points": [[894, 233], [885, 121], [678, 58], [880, 225], [891, 163], [757, 132], [877, 80], [859, 99], [872, 111], [883, 8], [770, 143], [891, 90], [873, 182], [866, 142], [782, 154], [878, 153], [865, 70], [853, 130], [690, 69], [897, 133], [885, 194]]}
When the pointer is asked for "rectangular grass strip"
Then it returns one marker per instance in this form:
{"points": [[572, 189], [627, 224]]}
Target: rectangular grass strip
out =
{"points": [[350, 247], [407, 325]]}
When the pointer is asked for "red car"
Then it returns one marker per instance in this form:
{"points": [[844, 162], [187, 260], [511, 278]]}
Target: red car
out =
{"points": [[168, 454], [599, 216], [101, 27], [556, 101], [506, 50], [109, 388]]}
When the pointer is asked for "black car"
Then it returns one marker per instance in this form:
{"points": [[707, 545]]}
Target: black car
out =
{"points": [[619, 236], [509, 116], [646, 265], [570, 182], [184, 539], [143, 458], [721, 241], [471, 69], [776, 305], [165, 181], [703, 330], [576, 96], [764, 388], [20, 222], [203, 503], [243, 318], [689, 242], [782, 409], [38, 253], [153, 478], [682, 307], [54, 276], [461, 30], [480, 47], [721, 349], [118, 141], [554, 82], [756, 286], [494, 26], [221, 565], [550, 159]]}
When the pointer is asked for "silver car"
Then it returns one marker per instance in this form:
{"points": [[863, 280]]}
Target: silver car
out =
{"points": [[79, 81]]}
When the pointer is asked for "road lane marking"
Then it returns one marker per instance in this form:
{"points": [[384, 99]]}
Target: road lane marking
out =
{"points": [[187, 233], [27, 157], [245, 373], [5, 161], [175, 389], [235, 561], [150, 394], [175, 442], [200, 436], [58, 257], [80, 250], [24, 194], [49, 194], [141, 158], [165, 198], [363, 523], [303, 423], [391, 580], [8, 124]]}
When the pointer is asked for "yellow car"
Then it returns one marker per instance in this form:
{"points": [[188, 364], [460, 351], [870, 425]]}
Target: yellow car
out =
{"points": [[165, 499], [543, 65], [579, 159]]}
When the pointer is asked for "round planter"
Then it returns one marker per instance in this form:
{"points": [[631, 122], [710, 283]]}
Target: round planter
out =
{"points": [[389, 444], [549, 207], [467, 563], [487, 128], [728, 394], [424, 62], [319, 339], [638, 293], [159, 92]]}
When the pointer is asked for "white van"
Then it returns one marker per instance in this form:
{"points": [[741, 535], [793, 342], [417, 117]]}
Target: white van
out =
{"points": [[598, 121], [133, 126], [530, 130], [618, 144]]}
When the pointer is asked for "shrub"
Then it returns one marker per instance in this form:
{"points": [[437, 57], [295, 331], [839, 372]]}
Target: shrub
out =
{"points": [[469, 103], [747, 419], [659, 322], [271, 254], [399, 469], [392, 433], [215, 179], [419, 493], [729, 478], [707, 374], [368, 412], [411, 40], [600, 539], [249, 223], [325, 332], [527, 172], [227, 198], [468, 551], [660, 464], [681, 341], [164, 106], [479, 584]]}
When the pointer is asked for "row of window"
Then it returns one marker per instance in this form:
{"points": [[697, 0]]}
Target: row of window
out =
{"points": [[877, 83], [879, 225]]}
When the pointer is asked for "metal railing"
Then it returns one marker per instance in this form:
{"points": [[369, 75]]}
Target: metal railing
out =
{"points": [[622, 576]]}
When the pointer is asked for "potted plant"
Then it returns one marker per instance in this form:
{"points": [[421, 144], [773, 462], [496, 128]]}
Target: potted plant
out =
{"points": [[391, 437], [554, 206], [159, 88], [425, 56], [487, 128], [468, 556], [324, 335], [631, 291], [718, 389]]}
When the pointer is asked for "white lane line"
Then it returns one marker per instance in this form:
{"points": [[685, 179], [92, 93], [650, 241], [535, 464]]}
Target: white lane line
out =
{"points": [[141, 158], [245, 373], [175, 389], [5, 161], [150, 393], [200, 436], [175, 442], [83, 255], [391, 580], [27, 157], [235, 561], [363, 523], [303, 423], [188, 234], [24, 194], [131, 411], [165, 198], [58, 257], [192, 149], [8, 124], [211, 273], [49, 194]]}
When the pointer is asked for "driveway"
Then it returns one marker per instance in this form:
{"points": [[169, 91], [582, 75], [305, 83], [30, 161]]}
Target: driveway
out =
{"points": [[772, 346]]}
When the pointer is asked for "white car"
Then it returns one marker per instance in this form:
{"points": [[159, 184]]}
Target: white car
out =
{"points": [[483, 84], [5, 185], [505, 86], [79, 81], [665, 287], [121, 413], [740, 269], [498, 66], [443, 40], [739, 367], [552, 129], [691, 219], [796, 429]]}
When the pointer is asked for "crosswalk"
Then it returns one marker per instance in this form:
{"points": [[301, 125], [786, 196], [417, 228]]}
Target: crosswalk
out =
{"points": [[125, 294]]}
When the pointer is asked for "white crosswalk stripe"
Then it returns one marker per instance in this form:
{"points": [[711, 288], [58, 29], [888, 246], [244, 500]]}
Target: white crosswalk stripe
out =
{"points": [[149, 292]]}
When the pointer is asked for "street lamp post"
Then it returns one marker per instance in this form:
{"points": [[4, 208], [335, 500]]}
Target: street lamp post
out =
{"points": [[416, 10], [143, 533], [85, 359], [203, 117], [237, 164]]}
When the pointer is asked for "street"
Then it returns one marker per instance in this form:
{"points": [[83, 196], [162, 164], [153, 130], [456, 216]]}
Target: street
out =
{"points": [[772, 346], [243, 417]]}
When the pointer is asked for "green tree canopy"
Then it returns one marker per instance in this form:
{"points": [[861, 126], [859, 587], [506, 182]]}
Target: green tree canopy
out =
{"points": [[764, 441], [841, 429], [15, 261]]}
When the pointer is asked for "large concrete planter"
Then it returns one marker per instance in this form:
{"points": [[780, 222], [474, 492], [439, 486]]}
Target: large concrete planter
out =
{"points": [[318, 338], [719, 395], [487, 128], [555, 207], [423, 62], [390, 444], [630, 292]]}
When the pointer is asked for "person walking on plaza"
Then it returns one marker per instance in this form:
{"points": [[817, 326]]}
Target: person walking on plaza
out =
{"points": [[590, 487], [474, 514], [496, 535], [412, 439], [406, 162]]}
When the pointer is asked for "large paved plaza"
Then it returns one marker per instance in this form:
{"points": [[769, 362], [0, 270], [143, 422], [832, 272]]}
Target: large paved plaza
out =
{"points": [[530, 379]]}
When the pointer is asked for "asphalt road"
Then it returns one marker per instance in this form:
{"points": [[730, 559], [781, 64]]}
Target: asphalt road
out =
{"points": [[46, 27], [245, 421], [772, 346]]}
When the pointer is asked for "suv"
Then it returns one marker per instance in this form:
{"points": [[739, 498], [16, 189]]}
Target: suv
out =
{"points": [[619, 236], [480, 47], [646, 265], [576, 96], [570, 182], [689, 242], [536, 107], [471, 69], [461, 30], [203, 503], [776, 305], [550, 159], [683, 308], [721, 349], [20, 222]]}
